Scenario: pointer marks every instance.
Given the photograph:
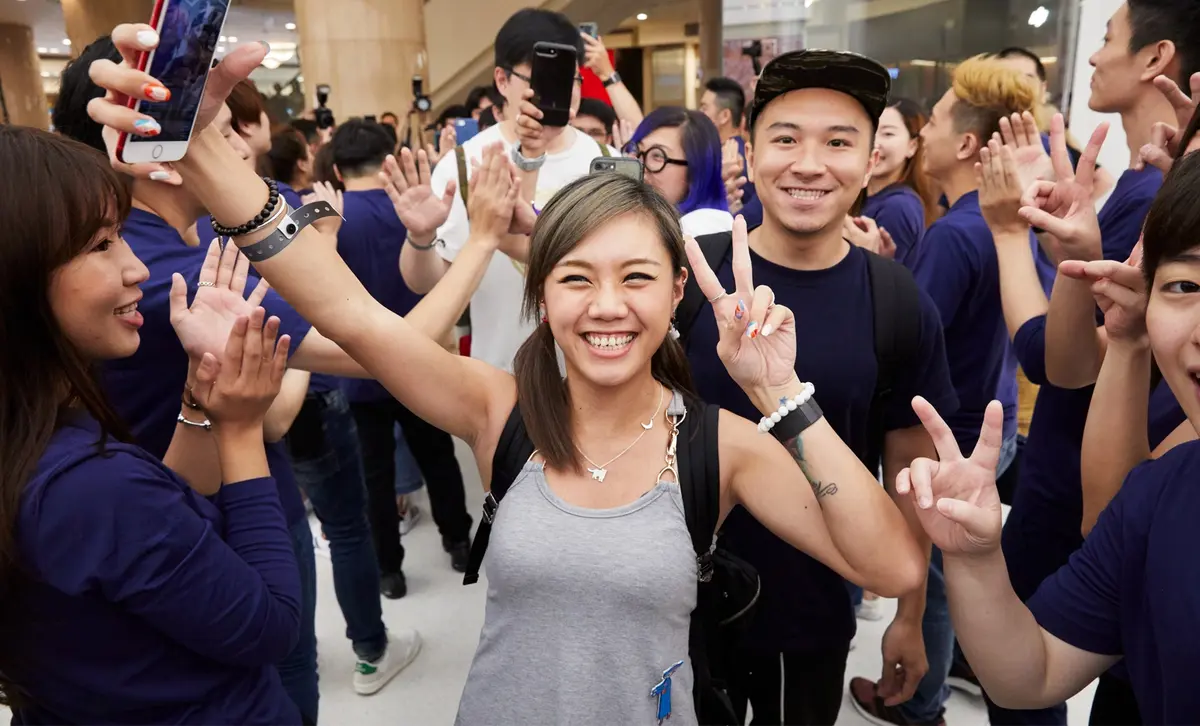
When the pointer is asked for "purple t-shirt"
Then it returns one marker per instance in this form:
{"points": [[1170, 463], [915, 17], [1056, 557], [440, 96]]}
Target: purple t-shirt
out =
{"points": [[898, 209]]}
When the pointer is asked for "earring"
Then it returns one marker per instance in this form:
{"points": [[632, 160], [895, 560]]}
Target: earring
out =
{"points": [[673, 331], [542, 311]]}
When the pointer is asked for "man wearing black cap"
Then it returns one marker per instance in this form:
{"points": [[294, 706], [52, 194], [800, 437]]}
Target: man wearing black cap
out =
{"points": [[811, 152]]}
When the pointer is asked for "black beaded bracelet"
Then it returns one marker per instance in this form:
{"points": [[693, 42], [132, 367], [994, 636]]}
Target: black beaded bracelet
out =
{"points": [[267, 210]]}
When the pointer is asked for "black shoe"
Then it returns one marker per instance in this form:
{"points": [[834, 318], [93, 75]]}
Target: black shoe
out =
{"points": [[460, 555], [393, 585]]}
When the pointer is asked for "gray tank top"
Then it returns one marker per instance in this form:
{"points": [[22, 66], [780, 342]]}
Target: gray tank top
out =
{"points": [[586, 608]]}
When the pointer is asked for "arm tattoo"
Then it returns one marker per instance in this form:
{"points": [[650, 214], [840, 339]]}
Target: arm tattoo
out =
{"points": [[795, 447]]}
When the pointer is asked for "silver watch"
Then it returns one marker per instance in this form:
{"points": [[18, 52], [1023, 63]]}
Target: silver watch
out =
{"points": [[525, 164]]}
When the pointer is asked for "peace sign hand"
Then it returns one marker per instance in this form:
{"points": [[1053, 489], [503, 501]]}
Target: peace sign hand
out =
{"points": [[1064, 208], [758, 338], [957, 501]]}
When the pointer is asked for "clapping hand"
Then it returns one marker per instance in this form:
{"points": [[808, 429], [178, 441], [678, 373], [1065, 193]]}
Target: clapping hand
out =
{"points": [[956, 497], [1120, 292], [1000, 189], [623, 132], [407, 185], [1165, 138], [324, 192], [864, 232], [1019, 133], [236, 388], [1064, 208], [731, 174], [203, 327], [493, 194], [757, 337]]}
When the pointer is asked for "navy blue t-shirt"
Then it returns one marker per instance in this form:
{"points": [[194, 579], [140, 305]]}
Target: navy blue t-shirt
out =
{"points": [[146, 387], [959, 270], [898, 209], [805, 605], [1122, 216], [752, 210], [370, 242], [1133, 589]]}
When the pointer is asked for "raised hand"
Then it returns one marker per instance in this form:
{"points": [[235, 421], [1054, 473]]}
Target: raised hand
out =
{"points": [[596, 56], [203, 327], [758, 337], [731, 174], [236, 388], [956, 498], [124, 81], [887, 245], [1064, 208], [1020, 134], [622, 134], [863, 232], [407, 185], [493, 194], [1120, 292], [1000, 189], [1165, 138], [447, 140], [532, 136], [324, 192]]}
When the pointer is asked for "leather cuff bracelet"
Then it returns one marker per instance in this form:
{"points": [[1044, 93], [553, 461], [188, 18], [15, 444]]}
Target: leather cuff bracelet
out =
{"points": [[289, 226], [794, 424]]}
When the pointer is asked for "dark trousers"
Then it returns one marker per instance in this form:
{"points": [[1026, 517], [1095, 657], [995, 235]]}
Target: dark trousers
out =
{"points": [[1053, 716], [298, 671], [1114, 704], [434, 451], [789, 688]]}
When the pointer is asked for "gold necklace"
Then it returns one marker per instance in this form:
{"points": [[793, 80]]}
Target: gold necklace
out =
{"points": [[599, 471]]}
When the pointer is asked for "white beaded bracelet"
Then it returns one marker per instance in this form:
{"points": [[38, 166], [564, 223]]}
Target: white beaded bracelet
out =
{"points": [[786, 406]]}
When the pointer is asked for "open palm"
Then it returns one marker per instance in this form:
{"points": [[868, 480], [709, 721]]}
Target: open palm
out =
{"points": [[204, 326], [1020, 133], [957, 501], [758, 338], [1065, 207], [407, 183]]}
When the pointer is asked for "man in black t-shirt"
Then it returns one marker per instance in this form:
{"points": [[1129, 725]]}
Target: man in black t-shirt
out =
{"points": [[812, 126]]}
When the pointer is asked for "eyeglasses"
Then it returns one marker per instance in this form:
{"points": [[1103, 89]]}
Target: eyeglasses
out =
{"points": [[655, 158], [527, 79]]}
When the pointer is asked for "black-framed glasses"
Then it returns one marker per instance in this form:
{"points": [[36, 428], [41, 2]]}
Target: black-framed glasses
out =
{"points": [[527, 79], [654, 159]]}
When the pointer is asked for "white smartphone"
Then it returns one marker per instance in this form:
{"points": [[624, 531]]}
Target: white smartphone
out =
{"points": [[188, 32]]}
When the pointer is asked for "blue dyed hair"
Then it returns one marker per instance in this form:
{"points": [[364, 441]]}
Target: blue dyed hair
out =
{"points": [[701, 147]]}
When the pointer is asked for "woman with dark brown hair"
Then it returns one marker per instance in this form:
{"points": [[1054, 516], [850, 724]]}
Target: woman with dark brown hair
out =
{"points": [[125, 596], [592, 572]]}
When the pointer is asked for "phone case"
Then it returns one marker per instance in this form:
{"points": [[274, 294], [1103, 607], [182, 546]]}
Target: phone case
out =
{"points": [[142, 61], [551, 96]]}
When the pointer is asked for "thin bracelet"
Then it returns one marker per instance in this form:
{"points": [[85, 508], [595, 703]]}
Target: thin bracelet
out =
{"points": [[424, 248], [190, 401], [206, 425]]}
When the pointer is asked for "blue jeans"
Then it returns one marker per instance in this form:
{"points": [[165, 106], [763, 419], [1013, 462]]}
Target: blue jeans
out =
{"points": [[408, 474], [298, 670], [328, 466], [928, 702]]}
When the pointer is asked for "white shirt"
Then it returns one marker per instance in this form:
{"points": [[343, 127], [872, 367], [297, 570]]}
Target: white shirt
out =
{"points": [[497, 328], [700, 222]]}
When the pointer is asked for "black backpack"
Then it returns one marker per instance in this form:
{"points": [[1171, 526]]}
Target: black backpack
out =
{"points": [[728, 587], [897, 313]]}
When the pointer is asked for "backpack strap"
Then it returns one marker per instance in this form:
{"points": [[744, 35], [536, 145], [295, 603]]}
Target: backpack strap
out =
{"points": [[716, 248], [603, 149], [512, 452], [700, 475], [897, 313], [460, 155]]}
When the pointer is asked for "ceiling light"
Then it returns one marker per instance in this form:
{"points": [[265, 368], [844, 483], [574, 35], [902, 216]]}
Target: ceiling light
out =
{"points": [[642, 16], [233, 39], [270, 63], [45, 74], [922, 63], [42, 49], [220, 49], [67, 42], [221, 39], [1038, 17], [55, 51], [290, 26]]}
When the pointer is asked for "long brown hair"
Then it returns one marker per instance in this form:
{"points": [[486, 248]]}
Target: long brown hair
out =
{"points": [[913, 175], [579, 209], [56, 195]]}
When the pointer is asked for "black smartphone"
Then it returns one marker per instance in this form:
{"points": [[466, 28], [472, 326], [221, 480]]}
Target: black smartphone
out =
{"points": [[553, 79], [624, 165], [592, 29]]}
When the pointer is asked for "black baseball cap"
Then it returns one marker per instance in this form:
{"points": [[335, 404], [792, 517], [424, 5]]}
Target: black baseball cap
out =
{"points": [[838, 70]]}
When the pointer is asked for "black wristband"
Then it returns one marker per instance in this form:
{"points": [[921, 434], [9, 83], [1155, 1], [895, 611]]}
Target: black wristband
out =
{"points": [[267, 210], [795, 423]]}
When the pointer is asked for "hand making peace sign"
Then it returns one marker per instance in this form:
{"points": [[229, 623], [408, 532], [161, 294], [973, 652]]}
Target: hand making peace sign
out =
{"points": [[758, 337]]}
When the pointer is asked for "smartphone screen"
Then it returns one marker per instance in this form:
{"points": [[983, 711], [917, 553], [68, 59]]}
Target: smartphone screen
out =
{"points": [[465, 129], [188, 39], [554, 69]]}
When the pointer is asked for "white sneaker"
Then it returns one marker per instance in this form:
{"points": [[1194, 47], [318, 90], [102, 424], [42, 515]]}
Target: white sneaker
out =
{"points": [[403, 647], [412, 515], [870, 610]]}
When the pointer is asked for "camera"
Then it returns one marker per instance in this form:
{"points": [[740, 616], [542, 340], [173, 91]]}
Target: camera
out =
{"points": [[421, 102], [322, 114], [754, 51]]}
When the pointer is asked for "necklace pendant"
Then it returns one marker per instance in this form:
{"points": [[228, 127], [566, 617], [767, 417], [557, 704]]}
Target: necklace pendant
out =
{"points": [[648, 426], [598, 474]]}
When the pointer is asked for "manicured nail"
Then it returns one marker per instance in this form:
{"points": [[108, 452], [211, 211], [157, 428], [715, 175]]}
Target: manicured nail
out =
{"points": [[147, 127], [160, 175], [156, 92], [741, 310], [147, 38], [767, 330], [265, 45], [926, 502], [752, 331]]}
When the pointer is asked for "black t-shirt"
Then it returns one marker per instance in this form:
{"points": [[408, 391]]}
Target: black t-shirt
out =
{"points": [[805, 605]]}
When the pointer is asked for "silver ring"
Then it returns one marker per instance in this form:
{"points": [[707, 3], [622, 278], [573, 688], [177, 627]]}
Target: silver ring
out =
{"points": [[206, 284], [718, 297]]}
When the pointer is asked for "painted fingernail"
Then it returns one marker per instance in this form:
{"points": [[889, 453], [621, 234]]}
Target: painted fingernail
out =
{"points": [[767, 330], [156, 92], [265, 45], [160, 175], [147, 38], [741, 310], [147, 127], [752, 331]]}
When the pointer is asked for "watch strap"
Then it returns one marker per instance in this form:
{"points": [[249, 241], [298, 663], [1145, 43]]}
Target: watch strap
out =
{"points": [[289, 226], [612, 80], [795, 423]]}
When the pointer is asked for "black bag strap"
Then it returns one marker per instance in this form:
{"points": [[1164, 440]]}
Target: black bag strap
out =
{"points": [[897, 312], [716, 248], [700, 473], [460, 156], [512, 452]]}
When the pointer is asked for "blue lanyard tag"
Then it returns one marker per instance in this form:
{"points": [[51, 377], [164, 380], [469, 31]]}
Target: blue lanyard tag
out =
{"points": [[662, 691]]}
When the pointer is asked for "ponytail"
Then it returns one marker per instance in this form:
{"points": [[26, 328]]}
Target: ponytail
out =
{"points": [[545, 405]]}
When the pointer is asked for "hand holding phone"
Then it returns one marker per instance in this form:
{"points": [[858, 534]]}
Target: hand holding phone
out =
{"points": [[555, 67]]}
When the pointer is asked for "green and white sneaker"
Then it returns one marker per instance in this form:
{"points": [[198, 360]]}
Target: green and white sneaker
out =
{"points": [[371, 677]]}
